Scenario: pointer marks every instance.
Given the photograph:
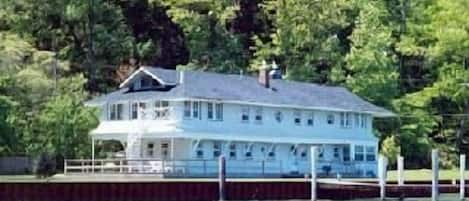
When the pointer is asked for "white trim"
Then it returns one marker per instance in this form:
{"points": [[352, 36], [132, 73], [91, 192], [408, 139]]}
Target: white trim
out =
{"points": [[377, 114], [142, 69]]}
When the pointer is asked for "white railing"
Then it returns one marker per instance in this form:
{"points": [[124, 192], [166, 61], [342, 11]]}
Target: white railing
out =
{"points": [[156, 113], [204, 168]]}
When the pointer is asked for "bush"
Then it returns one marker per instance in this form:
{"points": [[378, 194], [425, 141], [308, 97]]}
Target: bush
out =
{"points": [[45, 166]]}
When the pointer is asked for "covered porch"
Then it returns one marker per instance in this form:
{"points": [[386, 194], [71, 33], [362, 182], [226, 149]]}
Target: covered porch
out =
{"points": [[179, 156]]}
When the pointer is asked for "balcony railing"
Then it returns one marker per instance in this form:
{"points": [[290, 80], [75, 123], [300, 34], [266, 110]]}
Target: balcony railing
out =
{"points": [[159, 113]]}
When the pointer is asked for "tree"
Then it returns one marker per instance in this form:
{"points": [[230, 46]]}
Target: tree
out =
{"points": [[371, 63], [305, 38], [65, 121]]}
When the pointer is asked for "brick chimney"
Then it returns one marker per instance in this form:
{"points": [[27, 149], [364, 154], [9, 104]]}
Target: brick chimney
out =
{"points": [[264, 77]]}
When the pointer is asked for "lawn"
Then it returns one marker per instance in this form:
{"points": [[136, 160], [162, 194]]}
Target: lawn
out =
{"points": [[426, 175]]}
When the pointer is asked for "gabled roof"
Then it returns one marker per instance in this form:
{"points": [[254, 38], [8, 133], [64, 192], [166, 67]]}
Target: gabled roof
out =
{"points": [[246, 90]]}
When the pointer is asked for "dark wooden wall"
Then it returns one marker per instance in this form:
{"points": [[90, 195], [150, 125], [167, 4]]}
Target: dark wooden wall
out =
{"points": [[195, 191]]}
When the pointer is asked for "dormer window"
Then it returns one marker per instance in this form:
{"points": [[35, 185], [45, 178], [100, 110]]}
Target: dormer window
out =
{"points": [[145, 82]]}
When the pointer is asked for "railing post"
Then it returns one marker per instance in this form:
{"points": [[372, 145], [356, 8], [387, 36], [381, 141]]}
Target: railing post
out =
{"points": [[382, 171], [102, 166], [400, 170], [65, 167], [121, 168], [313, 173], [435, 167], [221, 177], [462, 182]]}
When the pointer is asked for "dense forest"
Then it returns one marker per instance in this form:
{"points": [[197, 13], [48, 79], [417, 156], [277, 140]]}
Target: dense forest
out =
{"points": [[411, 57]]}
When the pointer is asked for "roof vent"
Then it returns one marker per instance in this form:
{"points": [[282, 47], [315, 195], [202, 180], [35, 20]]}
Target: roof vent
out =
{"points": [[263, 78], [275, 73]]}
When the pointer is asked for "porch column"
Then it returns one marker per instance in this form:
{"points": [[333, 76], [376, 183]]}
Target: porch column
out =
{"points": [[92, 154], [352, 152], [172, 148]]}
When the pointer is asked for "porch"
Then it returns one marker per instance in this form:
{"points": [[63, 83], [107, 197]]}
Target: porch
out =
{"points": [[209, 168]]}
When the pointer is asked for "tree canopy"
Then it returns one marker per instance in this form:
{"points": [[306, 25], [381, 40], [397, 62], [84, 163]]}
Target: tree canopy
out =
{"points": [[411, 57]]}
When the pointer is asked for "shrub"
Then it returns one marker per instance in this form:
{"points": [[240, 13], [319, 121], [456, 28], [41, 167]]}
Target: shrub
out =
{"points": [[45, 166]]}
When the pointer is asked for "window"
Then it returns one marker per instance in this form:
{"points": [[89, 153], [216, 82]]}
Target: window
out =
{"points": [[210, 111], [248, 151], [271, 154], [219, 111], [161, 109], [346, 153], [359, 153], [164, 150], [199, 151], [330, 119], [216, 149], [336, 152], [297, 117], [278, 116], [321, 152], [293, 150], [357, 120], [192, 109], [346, 119], [363, 121], [116, 111], [304, 154], [245, 114], [187, 109], [145, 82], [141, 110], [134, 110], [232, 151], [370, 153], [258, 117], [195, 109], [150, 149], [310, 120]]}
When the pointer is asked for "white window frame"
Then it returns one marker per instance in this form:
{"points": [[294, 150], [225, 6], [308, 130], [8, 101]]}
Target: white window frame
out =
{"points": [[370, 152], [161, 109], [245, 113], [330, 119], [114, 112], [219, 111], [199, 149], [192, 109], [346, 119], [310, 120], [297, 116], [358, 152], [258, 115], [232, 151], [217, 149], [210, 111], [271, 153], [134, 110], [248, 151], [150, 151], [364, 121], [187, 109]]}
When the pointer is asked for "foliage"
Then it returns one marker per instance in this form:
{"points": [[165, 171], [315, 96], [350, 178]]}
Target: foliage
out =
{"points": [[411, 57]]}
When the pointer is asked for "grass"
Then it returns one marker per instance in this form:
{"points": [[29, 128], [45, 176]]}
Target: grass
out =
{"points": [[426, 175]]}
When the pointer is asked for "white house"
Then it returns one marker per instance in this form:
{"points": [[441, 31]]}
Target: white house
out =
{"points": [[263, 125]]}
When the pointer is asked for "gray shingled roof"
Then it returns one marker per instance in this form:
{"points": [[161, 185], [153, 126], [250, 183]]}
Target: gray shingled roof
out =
{"points": [[229, 87]]}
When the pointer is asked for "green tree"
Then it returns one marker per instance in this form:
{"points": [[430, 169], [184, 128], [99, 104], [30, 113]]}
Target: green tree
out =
{"points": [[305, 38]]}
